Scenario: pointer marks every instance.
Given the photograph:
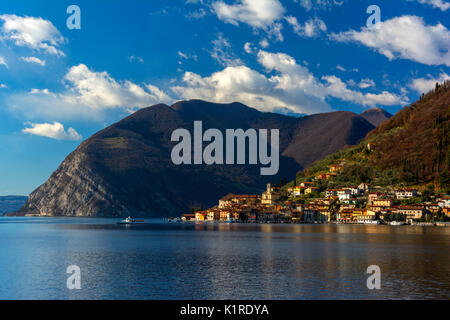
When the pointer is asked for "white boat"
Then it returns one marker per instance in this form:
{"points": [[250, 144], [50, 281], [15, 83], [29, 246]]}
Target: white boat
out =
{"points": [[396, 223], [372, 222], [130, 220]]}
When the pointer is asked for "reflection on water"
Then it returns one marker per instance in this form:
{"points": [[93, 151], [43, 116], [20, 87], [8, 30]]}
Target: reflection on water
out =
{"points": [[220, 261]]}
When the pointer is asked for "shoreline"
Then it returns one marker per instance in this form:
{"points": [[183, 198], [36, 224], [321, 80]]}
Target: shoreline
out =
{"points": [[418, 224], [168, 220]]}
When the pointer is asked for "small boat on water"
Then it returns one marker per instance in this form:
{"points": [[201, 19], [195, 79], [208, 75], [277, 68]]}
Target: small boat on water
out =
{"points": [[130, 220], [372, 222], [396, 223]]}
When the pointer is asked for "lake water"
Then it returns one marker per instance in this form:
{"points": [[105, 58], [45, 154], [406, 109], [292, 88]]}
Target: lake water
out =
{"points": [[238, 261]]}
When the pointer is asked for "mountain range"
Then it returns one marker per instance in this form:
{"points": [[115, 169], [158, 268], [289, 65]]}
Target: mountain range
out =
{"points": [[126, 169], [376, 116], [11, 203]]}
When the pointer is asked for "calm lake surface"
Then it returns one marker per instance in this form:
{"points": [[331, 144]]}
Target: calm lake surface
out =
{"points": [[239, 261]]}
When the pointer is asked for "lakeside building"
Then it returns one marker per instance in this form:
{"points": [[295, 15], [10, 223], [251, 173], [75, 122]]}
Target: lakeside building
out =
{"points": [[405, 193], [311, 190], [446, 211], [309, 214], [298, 190], [307, 184], [444, 202], [188, 217], [327, 175], [345, 205], [351, 201], [213, 215], [342, 194], [377, 208], [411, 212], [363, 188], [270, 195], [367, 216], [382, 202], [225, 215], [345, 216], [432, 207], [200, 216], [238, 199], [375, 196], [336, 168]]}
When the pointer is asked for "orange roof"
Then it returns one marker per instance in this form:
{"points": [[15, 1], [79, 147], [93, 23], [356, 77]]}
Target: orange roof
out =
{"points": [[408, 207], [236, 196]]}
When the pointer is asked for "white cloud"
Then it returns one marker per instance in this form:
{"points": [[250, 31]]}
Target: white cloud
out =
{"points": [[341, 68], [366, 83], [338, 89], [264, 43], [32, 32], [406, 37], [244, 85], [351, 83], [259, 14], [274, 31], [3, 86], [318, 4], [256, 13], [199, 14], [136, 59], [248, 47], [311, 28], [440, 4], [307, 4], [295, 77], [223, 53], [33, 60], [423, 85], [3, 62], [158, 95], [293, 87], [40, 91], [88, 94], [290, 74], [182, 55], [99, 90], [238, 83], [53, 130], [187, 56]]}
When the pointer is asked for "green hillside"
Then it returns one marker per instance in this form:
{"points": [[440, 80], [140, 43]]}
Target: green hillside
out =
{"points": [[410, 149]]}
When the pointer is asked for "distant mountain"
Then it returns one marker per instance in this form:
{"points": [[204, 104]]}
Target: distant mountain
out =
{"points": [[11, 203], [410, 149], [376, 116], [126, 169], [318, 135]]}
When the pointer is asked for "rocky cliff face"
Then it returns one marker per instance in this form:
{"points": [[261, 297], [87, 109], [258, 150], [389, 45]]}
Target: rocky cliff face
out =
{"points": [[126, 169], [75, 189]]}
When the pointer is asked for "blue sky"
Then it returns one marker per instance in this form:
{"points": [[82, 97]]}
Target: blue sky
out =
{"points": [[59, 86]]}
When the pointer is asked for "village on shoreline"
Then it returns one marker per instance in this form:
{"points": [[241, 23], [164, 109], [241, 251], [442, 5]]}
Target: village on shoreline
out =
{"points": [[306, 203]]}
